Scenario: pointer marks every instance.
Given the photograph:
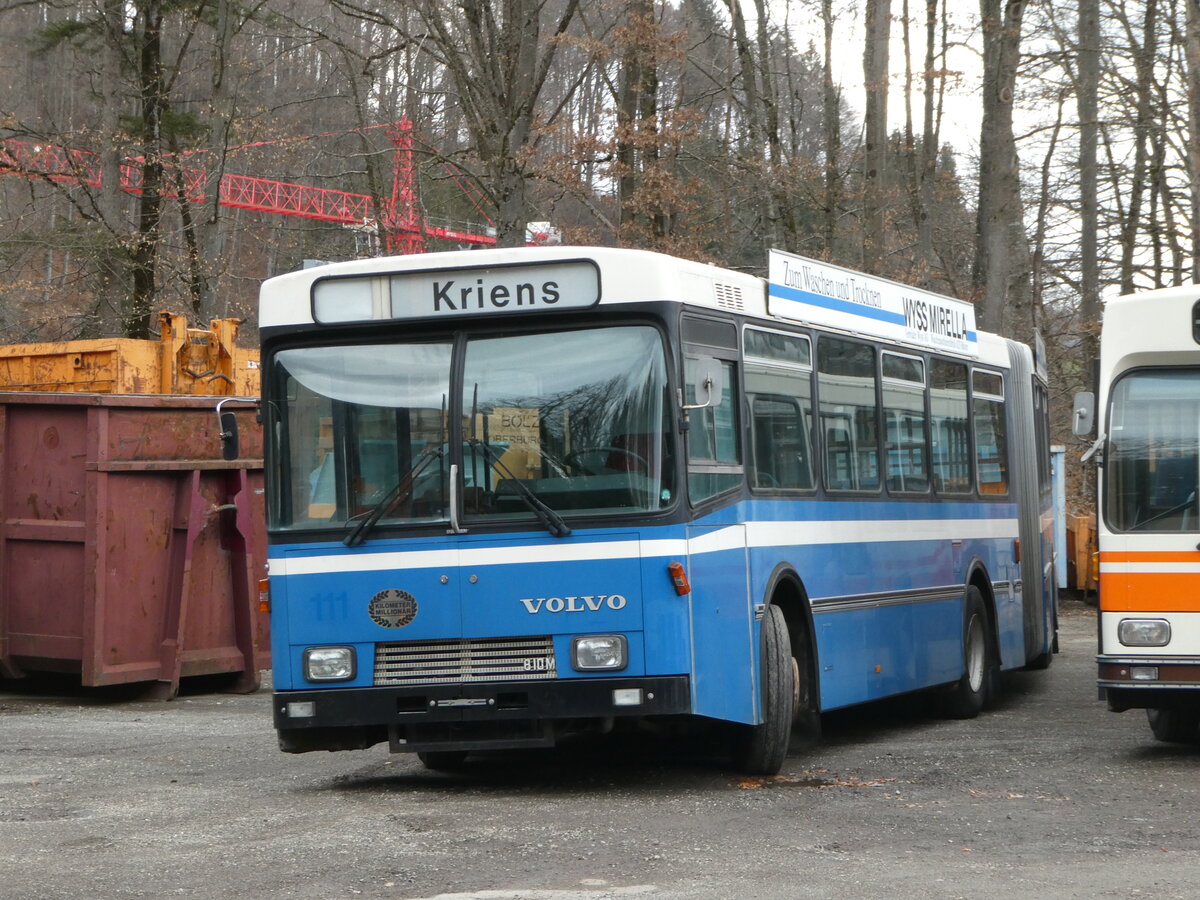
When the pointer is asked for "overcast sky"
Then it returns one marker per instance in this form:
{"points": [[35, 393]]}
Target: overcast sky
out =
{"points": [[961, 120]]}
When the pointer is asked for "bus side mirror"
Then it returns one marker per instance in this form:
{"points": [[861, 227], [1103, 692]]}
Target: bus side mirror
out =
{"points": [[228, 426], [1083, 416], [707, 381], [229, 434]]}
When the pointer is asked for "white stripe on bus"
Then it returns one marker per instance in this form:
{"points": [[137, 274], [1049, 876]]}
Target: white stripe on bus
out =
{"points": [[757, 534], [1150, 568]]}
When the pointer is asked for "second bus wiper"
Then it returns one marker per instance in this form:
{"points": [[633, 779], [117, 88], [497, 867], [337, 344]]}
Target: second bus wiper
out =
{"points": [[403, 486], [553, 521]]}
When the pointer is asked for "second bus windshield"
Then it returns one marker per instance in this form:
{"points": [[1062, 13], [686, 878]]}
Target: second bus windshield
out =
{"points": [[1153, 458]]}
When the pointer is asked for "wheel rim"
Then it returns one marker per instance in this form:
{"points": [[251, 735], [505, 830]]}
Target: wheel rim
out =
{"points": [[976, 655]]}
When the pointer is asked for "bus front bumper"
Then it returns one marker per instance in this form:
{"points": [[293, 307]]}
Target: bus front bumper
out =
{"points": [[476, 716], [1164, 682]]}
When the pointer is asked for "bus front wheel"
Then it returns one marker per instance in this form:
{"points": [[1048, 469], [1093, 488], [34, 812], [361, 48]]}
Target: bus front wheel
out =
{"points": [[1174, 726], [761, 749], [969, 694]]}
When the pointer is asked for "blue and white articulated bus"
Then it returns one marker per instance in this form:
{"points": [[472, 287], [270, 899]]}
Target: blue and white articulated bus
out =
{"points": [[518, 494]]}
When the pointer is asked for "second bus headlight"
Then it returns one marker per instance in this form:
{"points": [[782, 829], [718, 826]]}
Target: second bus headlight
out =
{"points": [[1144, 632], [600, 652]]}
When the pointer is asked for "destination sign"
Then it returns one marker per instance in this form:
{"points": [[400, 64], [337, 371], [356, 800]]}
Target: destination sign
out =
{"points": [[809, 291], [458, 293]]}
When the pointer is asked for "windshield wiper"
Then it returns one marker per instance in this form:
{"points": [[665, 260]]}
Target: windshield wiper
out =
{"points": [[403, 486], [1190, 501], [553, 521]]}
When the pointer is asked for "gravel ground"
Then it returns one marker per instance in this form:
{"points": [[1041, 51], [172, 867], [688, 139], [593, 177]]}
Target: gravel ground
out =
{"points": [[106, 795]]}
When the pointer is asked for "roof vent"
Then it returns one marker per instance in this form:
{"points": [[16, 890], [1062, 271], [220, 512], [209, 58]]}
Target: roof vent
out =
{"points": [[729, 296]]}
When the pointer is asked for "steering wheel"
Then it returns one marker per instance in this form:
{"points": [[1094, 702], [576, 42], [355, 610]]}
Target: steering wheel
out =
{"points": [[574, 460]]}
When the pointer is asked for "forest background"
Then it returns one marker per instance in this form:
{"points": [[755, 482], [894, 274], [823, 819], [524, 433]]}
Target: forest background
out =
{"points": [[711, 129]]}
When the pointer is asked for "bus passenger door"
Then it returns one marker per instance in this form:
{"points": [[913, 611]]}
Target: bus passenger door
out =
{"points": [[724, 670]]}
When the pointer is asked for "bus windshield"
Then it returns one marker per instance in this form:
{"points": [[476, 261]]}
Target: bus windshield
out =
{"points": [[591, 437], [1153, 458]]}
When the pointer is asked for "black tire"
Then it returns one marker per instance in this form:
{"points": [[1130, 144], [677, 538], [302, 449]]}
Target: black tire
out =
{"points": [[806, 714], [980, 672], [761, 749], [1174, 726], [1043, 660], [443, 760]]}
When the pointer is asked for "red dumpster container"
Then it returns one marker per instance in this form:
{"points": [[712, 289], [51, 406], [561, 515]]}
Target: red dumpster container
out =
{"points": [[129, 550]]}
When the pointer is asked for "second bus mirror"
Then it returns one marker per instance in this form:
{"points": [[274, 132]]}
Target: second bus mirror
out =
{"points": [[1083, 416], [707, 381]]}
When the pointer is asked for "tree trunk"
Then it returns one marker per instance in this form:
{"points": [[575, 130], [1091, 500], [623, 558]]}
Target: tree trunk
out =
{"points": [[1192, 52], [929, 149], [831, 126], [1041, 228], [1144, 74], [752, 146], [628, 89], [139, 312], [875, 75], [1002, 252], [1089, 84], [212, 224], [782, 232]]}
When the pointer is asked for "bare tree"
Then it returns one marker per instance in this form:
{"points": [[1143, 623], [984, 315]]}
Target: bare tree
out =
{"points": [[1088, 92], [1192, 51], [1144, 62], [875, 131], [637, 110], [831, 110], [1002, 252], [930, 140], [498, 58]]}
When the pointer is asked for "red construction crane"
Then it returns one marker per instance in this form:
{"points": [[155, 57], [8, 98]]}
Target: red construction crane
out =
{"points": [[404, 229]]}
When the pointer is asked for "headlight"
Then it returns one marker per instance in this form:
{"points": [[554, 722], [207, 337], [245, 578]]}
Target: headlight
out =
{"points": [[1144, 632], [329, 663], [600, 652]]}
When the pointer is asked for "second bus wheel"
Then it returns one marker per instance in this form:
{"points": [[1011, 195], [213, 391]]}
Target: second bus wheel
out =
{"points": [[967, 697], [1174, 726], [761, 749]]}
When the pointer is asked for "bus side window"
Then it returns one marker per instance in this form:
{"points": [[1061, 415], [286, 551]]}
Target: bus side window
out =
{"points": [[780, 434], [950, 417], [849, 414], [991, 437], [780, 400], [905, 425]]}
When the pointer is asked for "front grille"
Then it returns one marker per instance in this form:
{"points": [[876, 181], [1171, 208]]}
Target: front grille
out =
{"points": [[465, 661]]}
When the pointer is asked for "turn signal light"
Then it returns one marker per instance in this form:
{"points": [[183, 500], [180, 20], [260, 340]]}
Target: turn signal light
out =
{"points": [[264, 595], [679, 578]]}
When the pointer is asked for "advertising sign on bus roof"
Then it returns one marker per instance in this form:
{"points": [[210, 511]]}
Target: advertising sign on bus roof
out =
{"points": [[810, 291]]}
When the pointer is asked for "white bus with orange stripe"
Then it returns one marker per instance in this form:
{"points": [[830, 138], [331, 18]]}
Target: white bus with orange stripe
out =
{"points": [[1149, 524]]}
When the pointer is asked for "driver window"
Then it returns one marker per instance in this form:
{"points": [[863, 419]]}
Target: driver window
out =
{"points": [[713, 455]]}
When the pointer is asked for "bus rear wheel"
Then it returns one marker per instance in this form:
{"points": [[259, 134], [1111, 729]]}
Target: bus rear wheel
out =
{"points": [[761, 749], [1174, 726], [971, 692], [443, 760]]}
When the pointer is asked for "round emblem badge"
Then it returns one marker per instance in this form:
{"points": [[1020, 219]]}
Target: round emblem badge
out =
{"points": [[392, 608]]}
